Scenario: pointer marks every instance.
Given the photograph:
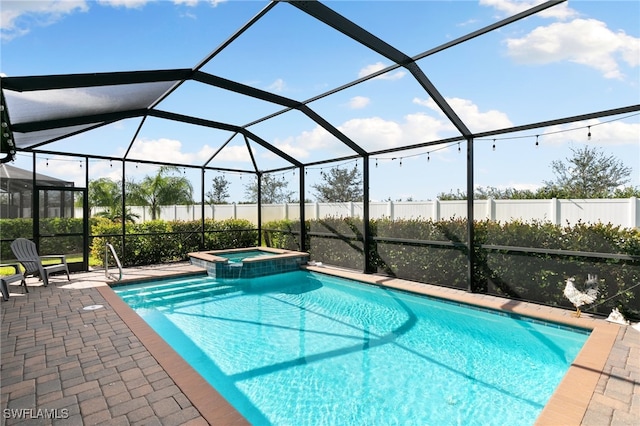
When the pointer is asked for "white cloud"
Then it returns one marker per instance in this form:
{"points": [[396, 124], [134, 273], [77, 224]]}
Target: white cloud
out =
{"points": [[370, 69], [213, 3], [358, 102], [277, 86], [467, 22], [106, 169], [300, 146], [584, 41], [609, 133], [470, 114], [171, 151], [229, 153], [63, 168], [290, 147], [371, 133], [167, 150], [376, 133], [127, 4], [17, 17], [511, 7]]}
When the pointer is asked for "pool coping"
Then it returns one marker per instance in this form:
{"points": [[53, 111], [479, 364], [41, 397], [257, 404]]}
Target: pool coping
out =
{"points": [[567, 405], [211, 405], [210, 255]]}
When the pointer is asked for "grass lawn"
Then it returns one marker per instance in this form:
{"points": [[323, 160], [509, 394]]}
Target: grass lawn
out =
{"points": [[73, 258]]}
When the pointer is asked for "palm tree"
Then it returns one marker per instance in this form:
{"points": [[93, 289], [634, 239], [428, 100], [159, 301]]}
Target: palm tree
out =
{"points": [[160, 190], [104, 192], [115, 215]]}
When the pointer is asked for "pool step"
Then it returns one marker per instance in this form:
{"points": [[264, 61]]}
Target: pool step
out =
{"points": [[178, 294], [168, 288]]}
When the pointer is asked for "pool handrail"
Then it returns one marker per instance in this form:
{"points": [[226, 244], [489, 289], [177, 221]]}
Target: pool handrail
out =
{"points": [[109, 248]]}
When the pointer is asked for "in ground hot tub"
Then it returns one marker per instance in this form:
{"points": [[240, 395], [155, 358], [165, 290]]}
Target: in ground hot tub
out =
{"points": [[248, 262]]}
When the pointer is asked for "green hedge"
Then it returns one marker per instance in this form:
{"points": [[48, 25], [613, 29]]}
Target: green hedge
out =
{"points": [[23, 228], [159, 241], [519, 275], [527, 276], [542, 277]]}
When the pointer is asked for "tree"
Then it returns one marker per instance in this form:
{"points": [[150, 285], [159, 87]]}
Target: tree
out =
{"points": [[219, 191], [105, 192], [589, 173], [163, 189], [449, 196], [627, 192], [483, 193], [273, 191], [339, 185]]}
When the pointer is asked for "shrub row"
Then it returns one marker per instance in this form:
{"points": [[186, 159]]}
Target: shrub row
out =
{"points": [[16, 228], [159, 241], [145, 243], [339, 241], [519, 275]]}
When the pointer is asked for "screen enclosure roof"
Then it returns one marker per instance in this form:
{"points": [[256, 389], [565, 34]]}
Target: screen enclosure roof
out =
{"points": [[38, 112]]}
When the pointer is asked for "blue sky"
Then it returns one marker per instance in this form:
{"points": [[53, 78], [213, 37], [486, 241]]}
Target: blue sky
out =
{"points": [[575, 58]]}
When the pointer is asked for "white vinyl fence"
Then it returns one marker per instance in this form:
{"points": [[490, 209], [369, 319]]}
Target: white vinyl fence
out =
{"points": [[617, 211]]}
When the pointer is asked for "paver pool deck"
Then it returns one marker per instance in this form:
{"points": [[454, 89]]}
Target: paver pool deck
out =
{"points": [[64, 365]]}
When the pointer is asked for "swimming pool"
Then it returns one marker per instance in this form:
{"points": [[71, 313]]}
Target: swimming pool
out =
{"points": [[306, 348]]}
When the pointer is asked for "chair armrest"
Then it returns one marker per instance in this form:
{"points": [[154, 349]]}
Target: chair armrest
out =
{"points": [[15, 266]]}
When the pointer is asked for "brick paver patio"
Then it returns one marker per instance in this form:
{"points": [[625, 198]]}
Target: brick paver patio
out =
{"points": [[64, 365]]}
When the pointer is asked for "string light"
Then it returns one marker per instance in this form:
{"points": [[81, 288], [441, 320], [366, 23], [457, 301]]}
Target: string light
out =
{"points": [[443, 146], [567, 130], [428, 153]]}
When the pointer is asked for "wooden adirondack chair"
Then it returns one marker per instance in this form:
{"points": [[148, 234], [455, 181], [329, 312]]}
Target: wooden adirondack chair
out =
{"points": [[26, 253]]}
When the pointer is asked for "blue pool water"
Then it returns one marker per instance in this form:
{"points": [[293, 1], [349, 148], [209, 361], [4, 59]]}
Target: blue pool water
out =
{"points": [[241, 255], [302, 348]]}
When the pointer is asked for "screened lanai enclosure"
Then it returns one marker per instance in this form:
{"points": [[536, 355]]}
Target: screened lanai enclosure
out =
{"points": [[421, 103]]}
